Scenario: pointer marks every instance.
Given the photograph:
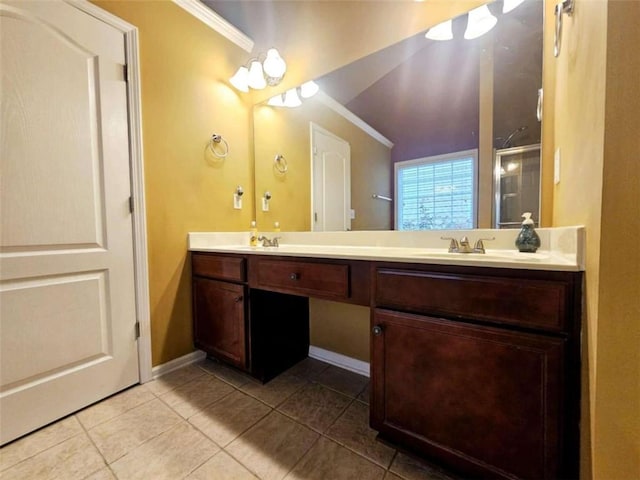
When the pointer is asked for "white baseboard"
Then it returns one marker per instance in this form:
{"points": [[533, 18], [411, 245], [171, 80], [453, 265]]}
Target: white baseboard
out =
{"points": [[177, 363], [339, 360]]}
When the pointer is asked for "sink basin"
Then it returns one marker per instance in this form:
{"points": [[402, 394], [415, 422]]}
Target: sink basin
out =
{"points": [[506, 255]]}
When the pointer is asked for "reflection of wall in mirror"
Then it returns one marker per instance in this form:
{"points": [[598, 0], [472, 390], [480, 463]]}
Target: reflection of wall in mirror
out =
{"points": [[285, 131]]}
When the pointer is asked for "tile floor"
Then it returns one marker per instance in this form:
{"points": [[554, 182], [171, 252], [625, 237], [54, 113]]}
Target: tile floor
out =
{"points": [[207, 421]]}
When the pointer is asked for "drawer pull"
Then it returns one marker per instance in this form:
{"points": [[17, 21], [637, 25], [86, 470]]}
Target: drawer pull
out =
{"points": [[238, 298], [294, 276], [377, 330]]}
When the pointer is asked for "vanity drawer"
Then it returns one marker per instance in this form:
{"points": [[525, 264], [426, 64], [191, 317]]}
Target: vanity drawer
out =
{"points": [[222, 267], [538, 304], [301, 278]]}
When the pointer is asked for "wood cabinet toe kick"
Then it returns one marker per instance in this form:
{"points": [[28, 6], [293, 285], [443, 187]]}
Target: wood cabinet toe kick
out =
{"points": [[475, 368]]}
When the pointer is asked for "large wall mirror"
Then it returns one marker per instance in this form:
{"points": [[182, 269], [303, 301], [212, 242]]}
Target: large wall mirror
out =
{"points": [[413, 110]]}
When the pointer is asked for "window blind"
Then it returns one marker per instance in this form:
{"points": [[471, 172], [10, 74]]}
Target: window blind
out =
{"points": [[436, 194]]}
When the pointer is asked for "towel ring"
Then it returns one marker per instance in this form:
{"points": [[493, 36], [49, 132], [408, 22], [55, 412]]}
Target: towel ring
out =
{"points": [[221, 152], [280, 163]]}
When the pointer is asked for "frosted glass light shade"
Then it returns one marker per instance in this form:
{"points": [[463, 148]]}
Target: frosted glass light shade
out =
{"points": [[309, 89], [442, 31], [256, 76], [480, 22], [274, 67], [276, 101], [241, 79], [509, 5], [291, 98]]}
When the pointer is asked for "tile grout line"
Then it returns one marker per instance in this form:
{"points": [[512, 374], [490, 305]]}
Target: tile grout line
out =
{"points": [[106, 464]]}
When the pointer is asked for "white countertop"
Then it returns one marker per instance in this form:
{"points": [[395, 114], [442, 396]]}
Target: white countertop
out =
{"points": [[561, 250]]}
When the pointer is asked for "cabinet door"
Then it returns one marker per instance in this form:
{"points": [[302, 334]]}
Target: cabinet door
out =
{"points": [[483, 400], [219, 320]]}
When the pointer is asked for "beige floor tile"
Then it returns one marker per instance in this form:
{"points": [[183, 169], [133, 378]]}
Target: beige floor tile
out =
{"points": [[114, 406], [103, 474], [225, 373], [352, 430], [277, 390], [122, 434], [223, 421], [192, 397], [221, 467], [365, 394], [315, 406], [272, 447], [171, 455], [38, 441], [328, 460], [343, 381], [392, 476], [72, 459], [174, 379], [410, 468], [308, 368]]}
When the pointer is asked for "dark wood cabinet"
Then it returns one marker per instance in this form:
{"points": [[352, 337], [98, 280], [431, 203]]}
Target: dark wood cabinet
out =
{"points": [[219, 320], [475, 368], [478, 369], [485, 398], [263, 333]]}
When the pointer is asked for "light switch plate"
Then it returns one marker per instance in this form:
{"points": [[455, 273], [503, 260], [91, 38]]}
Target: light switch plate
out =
{"points": [[556, 167]]}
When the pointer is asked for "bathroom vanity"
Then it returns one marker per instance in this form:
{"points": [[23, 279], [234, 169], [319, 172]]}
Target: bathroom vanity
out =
{"points": [[475, 362]]}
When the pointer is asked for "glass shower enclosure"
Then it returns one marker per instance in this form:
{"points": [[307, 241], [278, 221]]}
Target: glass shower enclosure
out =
{"points": [[517, 185]]}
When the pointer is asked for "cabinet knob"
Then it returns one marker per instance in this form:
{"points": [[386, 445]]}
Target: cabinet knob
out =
{"points": [[294, 276], [239, 298], [377, 330]]}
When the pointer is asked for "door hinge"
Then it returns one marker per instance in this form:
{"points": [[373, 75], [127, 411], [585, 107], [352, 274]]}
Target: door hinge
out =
{"points": [[131, 204], [125, 72], [137, 330], [315, 216]]}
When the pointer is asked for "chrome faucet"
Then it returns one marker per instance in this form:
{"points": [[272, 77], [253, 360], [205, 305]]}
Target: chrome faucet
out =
{"points": [[266, 242], [464, 246]]}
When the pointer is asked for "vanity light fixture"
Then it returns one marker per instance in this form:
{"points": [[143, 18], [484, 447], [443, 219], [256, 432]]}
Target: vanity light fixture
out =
{"points": [[480, 22], [259, 74], [291, 98], [274, 67], [256, 78], [509, 5], [442, 31], [309, 89], [241, 79]]}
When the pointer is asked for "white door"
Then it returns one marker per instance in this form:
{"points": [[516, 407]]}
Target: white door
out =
{"points": [[67, 298], [331, 181]]}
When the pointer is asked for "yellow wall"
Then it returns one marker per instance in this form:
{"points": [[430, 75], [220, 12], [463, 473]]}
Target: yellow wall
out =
{"points": [[185, 99], [286, 131], [597, 114]]}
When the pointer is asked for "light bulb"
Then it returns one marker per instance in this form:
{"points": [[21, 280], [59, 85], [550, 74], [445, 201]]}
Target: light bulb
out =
{"points": [[256, 76], [442, 31], [509, 5], [480, 22], [309, 89], [241, 79], [291, 98], [274, 67]]}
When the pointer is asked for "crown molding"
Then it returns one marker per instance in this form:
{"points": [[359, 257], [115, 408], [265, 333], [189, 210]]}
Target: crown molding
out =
{"points": [[353, 118], [216, 22]]}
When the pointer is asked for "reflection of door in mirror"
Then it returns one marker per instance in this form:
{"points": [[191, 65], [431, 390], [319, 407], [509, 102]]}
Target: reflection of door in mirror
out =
{"points": [[331, 179], [517, 185], [286, 131]]}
